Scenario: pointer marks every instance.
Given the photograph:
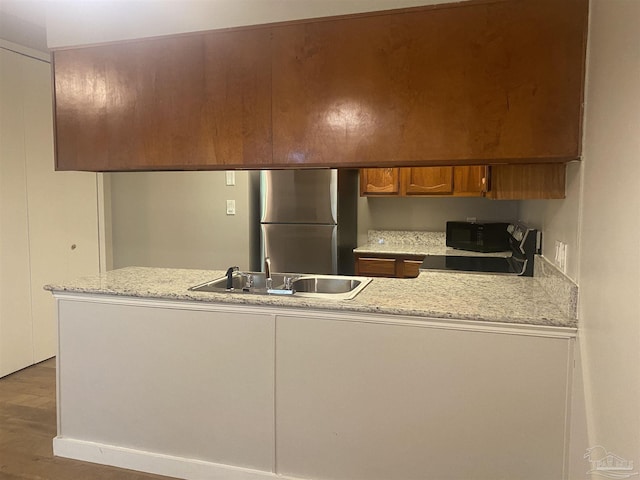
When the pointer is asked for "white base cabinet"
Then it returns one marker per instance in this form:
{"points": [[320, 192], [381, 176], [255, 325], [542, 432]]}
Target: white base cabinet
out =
{"points": [[180, 382], [197, 390], [358, 400], [186, 383]]}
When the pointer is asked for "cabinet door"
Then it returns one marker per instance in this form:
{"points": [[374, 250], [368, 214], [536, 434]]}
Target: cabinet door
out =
{"points": [[376, 267], [446, 83], [411, 268], [186, 102], [470, 181], [48, 220], [379, 181], [516, 182], [427, 181], [379, 401], [388, 266], [63, 206]]}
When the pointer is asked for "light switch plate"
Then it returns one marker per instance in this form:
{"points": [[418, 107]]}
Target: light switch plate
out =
{"points": [[231, 207], [231, 177]]}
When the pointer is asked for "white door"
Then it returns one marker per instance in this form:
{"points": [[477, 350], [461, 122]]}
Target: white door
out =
{"points": [[63, 219], [15, 303], [48, 220]]}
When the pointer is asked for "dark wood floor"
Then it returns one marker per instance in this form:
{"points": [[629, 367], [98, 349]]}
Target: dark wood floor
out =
{"points": [[27, 428]]}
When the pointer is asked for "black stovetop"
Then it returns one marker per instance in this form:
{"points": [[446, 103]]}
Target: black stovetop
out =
{"points": [[472, 264]]}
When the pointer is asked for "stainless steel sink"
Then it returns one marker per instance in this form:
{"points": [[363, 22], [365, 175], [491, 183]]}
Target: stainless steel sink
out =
{"points": [[329, 286], [241, 282], [335, 287]]}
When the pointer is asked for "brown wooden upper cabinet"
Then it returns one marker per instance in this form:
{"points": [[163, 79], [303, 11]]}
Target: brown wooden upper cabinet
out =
{"points": [[498, 182], [471, 83], [186, 102], [424, 181], [483, 82]]}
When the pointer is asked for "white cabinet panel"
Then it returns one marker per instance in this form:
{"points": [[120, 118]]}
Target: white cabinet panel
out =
{"points": [[183, 382], [379, 401], [16, 350]]}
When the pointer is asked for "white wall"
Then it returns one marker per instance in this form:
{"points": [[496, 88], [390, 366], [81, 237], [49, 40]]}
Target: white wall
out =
{"points": [[609, 277], [599, 221], [558, 220], [76, 22], [178, 219]]}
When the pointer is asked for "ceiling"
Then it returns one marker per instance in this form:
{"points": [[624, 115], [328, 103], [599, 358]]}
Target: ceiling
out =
{"points": [[23, 22], [32, 11]]}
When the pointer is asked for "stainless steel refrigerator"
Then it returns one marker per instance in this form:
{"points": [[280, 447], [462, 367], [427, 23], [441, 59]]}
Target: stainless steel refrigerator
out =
{"points": [[308, 221]]}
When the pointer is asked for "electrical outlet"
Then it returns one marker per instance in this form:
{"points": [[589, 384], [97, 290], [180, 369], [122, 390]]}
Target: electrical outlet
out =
{"points": [[231, 177], [471, 219], [561, 256], [231, 207]]}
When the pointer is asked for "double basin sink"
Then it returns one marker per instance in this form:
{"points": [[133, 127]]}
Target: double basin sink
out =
{"points": [[335, 287]]}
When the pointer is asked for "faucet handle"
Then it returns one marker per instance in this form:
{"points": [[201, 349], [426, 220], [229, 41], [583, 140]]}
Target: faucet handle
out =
{"points": [[288, 282]]}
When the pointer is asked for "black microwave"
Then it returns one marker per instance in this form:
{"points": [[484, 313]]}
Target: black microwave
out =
{"points": [[478, 237]]}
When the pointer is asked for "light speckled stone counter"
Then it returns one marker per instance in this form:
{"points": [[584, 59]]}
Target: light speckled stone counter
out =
{"points": [[487, 298], [403, 242]]}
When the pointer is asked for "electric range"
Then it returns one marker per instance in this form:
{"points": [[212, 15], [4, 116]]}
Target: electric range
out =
{"points": [[525, 242]]}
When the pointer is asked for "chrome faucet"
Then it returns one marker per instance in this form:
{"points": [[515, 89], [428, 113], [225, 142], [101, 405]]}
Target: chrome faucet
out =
{"points": [[267, 271], [229, 274]]}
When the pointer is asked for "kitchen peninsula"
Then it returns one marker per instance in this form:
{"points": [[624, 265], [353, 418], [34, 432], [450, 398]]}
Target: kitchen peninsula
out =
{"points": [[401, 382]]}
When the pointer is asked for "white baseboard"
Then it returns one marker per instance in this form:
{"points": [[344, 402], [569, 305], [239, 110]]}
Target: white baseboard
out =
{"points": [[179, 467]]}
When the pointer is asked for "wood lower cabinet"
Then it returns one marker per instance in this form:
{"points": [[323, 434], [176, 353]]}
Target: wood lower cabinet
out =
{"points": [[398, 266], [459, 84]]}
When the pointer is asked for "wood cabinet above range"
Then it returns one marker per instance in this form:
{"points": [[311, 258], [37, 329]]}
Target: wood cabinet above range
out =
{"points": [[470, 83], [424, 181], [499, 182]]}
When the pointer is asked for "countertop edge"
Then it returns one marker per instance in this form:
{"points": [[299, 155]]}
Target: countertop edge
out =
{"points": [[364, 303], [418, 316]]}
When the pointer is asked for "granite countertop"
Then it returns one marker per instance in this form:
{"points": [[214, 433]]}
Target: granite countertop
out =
{"points": [[477, 297], [402, 242]]}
